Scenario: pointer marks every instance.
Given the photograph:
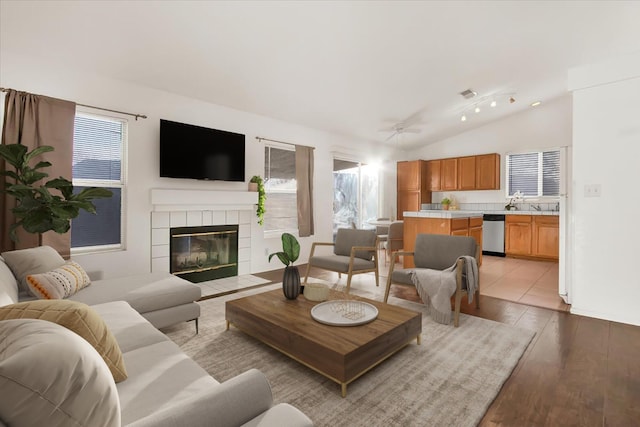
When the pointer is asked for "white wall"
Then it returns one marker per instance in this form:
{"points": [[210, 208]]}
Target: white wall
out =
{"points": [[34, 75], [606, 151], [545, 126]]}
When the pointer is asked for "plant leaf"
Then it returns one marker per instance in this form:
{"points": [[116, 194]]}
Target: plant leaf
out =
{"points": [[40, 165], [290, 246], [281, 256], [13, 154], [36, 152], [92, 193]]}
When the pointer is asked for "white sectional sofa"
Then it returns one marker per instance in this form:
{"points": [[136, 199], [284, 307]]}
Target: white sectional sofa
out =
{"points": [[164, 386]]}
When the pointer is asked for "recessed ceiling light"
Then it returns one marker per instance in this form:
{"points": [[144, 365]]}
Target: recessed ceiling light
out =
{"points": [[493, 103], [463, 118], [477, 110], [535, 104]]}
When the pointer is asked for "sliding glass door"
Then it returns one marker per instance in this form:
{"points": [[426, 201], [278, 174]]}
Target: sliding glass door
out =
{"points": [[355, 194]]}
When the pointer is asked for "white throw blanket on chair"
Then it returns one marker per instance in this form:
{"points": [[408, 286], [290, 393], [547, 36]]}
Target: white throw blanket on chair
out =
{"points": [[436, 287]]}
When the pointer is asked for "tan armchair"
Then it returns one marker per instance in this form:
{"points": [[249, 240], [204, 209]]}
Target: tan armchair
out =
{"points": [[354, 252], [437, 252]]}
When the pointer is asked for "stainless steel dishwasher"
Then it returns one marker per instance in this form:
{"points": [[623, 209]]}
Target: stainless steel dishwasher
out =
{"points": [[493, 234]]}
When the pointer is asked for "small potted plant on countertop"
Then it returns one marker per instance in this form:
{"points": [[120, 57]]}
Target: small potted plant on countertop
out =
{"points": [[445, 203], [289, 254], [256, 184]]}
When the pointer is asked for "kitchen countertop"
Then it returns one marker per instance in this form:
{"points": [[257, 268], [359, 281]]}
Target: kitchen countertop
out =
{"points": [[440, 213]]}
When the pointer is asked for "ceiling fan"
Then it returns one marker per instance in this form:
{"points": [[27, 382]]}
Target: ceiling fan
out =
{"points": [[404, 126]]}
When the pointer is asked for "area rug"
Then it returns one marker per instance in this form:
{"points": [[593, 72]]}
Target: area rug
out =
{"points": [[448, 380]]}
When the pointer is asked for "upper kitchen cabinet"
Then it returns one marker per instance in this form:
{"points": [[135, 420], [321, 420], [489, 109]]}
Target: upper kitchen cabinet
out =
{"points": [[463, 173], [487, 172], [409, 175], [449, 174], [434, 168], [467, 173], [413, 186]]}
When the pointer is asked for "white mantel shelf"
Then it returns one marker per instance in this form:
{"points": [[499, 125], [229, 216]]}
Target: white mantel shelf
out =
{"points": [[189, 200]]}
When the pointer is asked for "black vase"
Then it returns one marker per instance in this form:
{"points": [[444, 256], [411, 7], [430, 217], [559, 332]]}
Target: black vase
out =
{"points": [[291, 282]]}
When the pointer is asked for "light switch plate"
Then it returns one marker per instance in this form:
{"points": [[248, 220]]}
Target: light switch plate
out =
{"points": [[592, 190]]}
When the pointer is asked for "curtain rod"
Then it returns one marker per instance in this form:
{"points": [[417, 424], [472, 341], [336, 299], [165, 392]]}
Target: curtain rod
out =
{"points": [[142, 116], [259, 138]]}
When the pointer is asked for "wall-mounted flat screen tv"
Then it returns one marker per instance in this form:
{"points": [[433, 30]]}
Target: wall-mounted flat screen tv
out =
{"points": [[196, 152]]}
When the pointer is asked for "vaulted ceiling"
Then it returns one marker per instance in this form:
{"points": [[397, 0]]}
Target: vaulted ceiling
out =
{"points": [[351, 67]]}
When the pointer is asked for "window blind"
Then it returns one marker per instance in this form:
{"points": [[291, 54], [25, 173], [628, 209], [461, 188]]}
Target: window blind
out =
{"points": [[281, 209], [551, 173], [97, 148], [534, 174]]}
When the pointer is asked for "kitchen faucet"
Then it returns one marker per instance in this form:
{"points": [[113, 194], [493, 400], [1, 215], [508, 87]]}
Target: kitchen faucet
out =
{"points": [[536, 207]]}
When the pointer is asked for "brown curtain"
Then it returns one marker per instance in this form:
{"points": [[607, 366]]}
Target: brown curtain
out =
{"points": [[35, 120], [304, 178]]}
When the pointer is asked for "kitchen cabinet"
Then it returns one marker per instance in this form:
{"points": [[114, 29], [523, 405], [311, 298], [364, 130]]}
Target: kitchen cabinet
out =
{"points": [[467, 226], [546, 237], [467, 173], [413, 188], [434, 170], [464, 173], [449, 174], [475, 231], [488, 172], [532, 236], [517, 235]]}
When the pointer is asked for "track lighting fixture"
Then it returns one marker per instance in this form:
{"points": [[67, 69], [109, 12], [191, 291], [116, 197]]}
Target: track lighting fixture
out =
{"points": [[490, 100]]}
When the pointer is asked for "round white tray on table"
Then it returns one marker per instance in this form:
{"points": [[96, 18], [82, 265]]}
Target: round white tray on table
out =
{"points": [[326, 313]]}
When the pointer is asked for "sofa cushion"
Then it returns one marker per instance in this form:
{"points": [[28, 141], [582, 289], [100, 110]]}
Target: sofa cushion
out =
{"points": [[23, 262], [144, 292], [78, 318], [8, 285], [59, 283], [160, 375], [131, 330], [51, 376]]}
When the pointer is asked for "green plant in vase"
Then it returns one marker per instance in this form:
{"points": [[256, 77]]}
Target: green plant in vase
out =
{"points": [[38, 210], [445, 203], [289, 254], [262, 197]]}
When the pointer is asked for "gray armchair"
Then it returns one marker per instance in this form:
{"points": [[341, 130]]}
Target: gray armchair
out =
{"points": [[437, 252], [354, 252]]}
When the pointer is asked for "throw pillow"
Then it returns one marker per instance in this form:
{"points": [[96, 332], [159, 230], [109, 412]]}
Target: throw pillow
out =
{"points": [[49, 376], [23, 262], [59, 283], [79, 318]]}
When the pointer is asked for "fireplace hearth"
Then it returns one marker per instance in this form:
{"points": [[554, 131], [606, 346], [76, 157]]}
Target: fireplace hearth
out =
{"points": [[204, 253]]}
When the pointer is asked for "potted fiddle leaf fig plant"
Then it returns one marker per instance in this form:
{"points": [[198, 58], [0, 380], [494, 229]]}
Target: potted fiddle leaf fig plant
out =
{"points": [[289, 254], [39, 210], [257, 184]]}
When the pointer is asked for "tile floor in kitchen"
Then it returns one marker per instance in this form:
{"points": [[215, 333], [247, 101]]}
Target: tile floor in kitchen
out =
{"points": [[520, 280]]}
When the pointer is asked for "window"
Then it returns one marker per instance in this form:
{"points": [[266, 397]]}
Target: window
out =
{"points": [[281, 206], [98, 151], [534, 174], [355, 194]]}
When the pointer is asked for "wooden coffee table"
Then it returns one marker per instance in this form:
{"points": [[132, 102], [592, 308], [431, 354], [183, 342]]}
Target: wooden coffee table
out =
{"points": [[340, 353]]}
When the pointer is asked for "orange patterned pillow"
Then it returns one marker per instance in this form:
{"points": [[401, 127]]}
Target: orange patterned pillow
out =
{"points": [[59, 283]]}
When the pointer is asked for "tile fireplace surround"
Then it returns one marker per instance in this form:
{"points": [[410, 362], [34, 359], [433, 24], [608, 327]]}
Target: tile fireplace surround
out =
{"points": [[187, 208]]}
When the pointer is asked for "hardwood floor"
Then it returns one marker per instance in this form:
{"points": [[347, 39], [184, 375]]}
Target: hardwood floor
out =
{"points": [[577, 371]]}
